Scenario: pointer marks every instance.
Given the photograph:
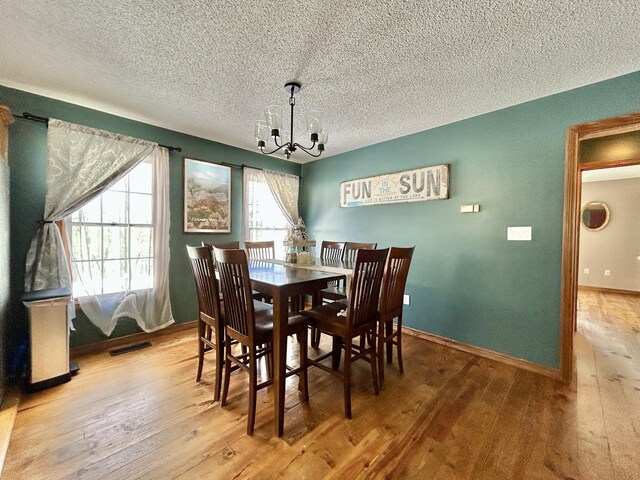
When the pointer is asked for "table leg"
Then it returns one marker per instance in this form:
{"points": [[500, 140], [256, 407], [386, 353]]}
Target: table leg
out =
{"points": [[280, 316]]}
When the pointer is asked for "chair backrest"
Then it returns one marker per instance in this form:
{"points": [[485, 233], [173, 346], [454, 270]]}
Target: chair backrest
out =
{"points": [[331, 250], [365, 287], [234, 244], [394, 280], [206, 284], [350, 249], [236, 290], [260, 250]]}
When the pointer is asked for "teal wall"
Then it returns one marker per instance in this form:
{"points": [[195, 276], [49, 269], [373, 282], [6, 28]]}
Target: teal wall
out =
{"points": [[467, 282], [27, 158]]}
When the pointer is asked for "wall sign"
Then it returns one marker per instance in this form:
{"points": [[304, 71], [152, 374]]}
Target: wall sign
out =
{"points": [[419, 185]]}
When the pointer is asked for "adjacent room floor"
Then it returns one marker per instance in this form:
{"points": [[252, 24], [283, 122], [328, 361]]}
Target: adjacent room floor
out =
{"points": [[451, 415]]}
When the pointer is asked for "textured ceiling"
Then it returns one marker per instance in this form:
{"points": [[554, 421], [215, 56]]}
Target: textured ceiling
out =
{"points": [[377, 70]]}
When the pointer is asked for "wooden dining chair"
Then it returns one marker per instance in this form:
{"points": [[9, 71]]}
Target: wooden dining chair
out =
{"points": [[394, 281], [360, 320], [260, 250], [331, 250], [338, 290], [210, 325], [234, 244], [350, 249], [252, 328]]}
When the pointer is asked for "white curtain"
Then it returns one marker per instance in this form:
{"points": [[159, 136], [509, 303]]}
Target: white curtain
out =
{"points": [[150, 308], [249, 175], [82, 163], [285, 188]]}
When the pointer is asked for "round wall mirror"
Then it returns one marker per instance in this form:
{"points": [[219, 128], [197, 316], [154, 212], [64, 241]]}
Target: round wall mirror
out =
{"points": [[595, 216]]}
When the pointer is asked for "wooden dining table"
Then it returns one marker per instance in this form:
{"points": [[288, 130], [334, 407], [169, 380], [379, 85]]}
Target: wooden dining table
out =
{"points": [[282, 281]]}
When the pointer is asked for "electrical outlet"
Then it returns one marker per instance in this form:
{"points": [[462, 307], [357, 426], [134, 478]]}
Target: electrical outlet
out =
{"points": [[407, 300], [519, 234], [607, 273], [587, 271]]}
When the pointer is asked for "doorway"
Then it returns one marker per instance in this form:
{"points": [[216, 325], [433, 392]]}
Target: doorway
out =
{"points": [[574, 166]]}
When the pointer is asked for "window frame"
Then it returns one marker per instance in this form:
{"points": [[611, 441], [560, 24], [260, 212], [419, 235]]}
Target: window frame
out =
{"points": [[248, 213], [67, 236]]}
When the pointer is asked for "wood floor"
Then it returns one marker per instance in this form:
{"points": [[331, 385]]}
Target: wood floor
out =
{"points": [[451, 415]]}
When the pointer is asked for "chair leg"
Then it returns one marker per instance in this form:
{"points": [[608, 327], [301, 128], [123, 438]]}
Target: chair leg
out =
{"points": [[303, 383], [380, 353], [399, 344], [220, 354], [227, 371], [337, 351], [268, 359], [200, 349], [315, 333], [374, 365], [389, 332], [347, 377], [314, 344], [253, 382]]}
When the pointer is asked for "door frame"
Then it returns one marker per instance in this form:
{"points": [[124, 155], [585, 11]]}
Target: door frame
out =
{"points": [[571, 221]]}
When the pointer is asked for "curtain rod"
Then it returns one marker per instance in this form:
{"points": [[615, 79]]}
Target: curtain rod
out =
{"points": [[262, 169], [45, 120], [243, 166]]}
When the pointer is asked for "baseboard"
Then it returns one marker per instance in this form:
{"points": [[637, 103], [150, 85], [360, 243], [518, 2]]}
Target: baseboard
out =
{"points": [[127, 339], [8, 413], [608, 290], [485, 353]]}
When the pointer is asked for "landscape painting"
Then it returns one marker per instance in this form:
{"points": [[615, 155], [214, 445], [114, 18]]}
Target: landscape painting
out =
{"points": [[207, 197]]}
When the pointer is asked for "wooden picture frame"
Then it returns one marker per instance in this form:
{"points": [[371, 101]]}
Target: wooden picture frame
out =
{"points": [[206, 197]]}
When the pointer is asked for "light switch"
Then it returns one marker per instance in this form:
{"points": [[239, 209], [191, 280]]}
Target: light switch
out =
{"points": [[587, 271], [469, 208], [407, 299], [519, 234]]}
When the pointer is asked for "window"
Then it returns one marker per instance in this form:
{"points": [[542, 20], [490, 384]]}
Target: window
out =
{"points": [[263, 218], [112, 237]]}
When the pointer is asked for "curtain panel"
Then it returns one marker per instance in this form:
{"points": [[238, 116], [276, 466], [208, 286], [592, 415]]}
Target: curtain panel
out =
{"points": [[150, 308], [82, 163], [285, 189]]}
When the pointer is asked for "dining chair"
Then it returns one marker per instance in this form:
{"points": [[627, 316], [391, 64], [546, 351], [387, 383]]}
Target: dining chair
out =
{"points": [[338, 290], [235, 244], [358, 318], [394, 281], [210, 325], [350, 249], [260, 250], [331, 250], [252, 328]]}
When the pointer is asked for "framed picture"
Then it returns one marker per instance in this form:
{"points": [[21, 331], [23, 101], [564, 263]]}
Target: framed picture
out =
{"points": [[206, 192]]}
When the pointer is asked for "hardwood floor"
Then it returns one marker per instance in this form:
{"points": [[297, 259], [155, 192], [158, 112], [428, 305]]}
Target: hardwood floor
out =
{"points": [[451, 415]]}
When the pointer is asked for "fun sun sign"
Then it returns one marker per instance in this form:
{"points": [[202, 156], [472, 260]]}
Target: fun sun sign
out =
{"points": [[419, 185]]}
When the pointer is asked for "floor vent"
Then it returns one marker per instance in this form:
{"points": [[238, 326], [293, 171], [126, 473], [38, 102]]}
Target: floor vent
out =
{"points": [[129, 348]]}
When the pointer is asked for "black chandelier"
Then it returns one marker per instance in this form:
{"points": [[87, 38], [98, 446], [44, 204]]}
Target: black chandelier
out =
{"points": [[273, 125]]}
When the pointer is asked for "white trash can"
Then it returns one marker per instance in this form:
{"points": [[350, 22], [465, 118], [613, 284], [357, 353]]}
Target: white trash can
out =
{"points": [[49, 335]]}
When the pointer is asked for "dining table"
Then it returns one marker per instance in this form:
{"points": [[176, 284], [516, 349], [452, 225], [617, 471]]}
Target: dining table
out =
{"points": [[282, 281]]}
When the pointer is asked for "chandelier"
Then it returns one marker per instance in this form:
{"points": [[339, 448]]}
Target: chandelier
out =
{"points": [[273, 125]]}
